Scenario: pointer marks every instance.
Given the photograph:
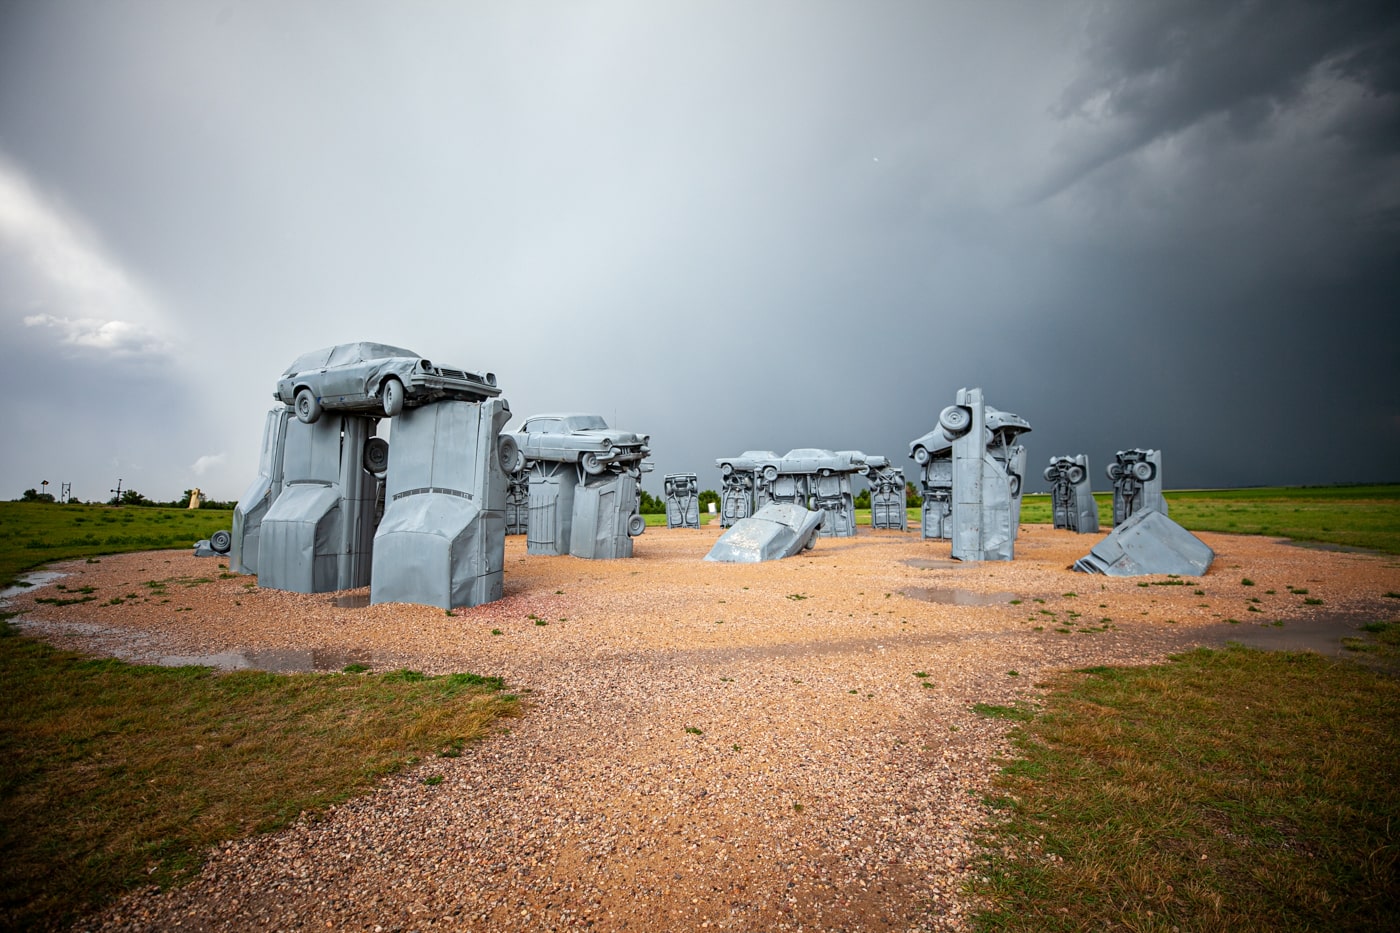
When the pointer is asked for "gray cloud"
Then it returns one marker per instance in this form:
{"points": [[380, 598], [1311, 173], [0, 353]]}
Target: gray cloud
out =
{"points": [[732, 226]]}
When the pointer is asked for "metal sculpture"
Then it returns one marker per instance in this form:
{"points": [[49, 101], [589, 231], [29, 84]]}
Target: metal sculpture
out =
{"points": [[318, 535], [778, 530], [258, 498], [682, 500], [374, 379], [970, 463], [441, 541], [583, 485], [518, 501], [1148, 542], [1072, 501], [315, 519], [807, 476], [740, 477], [1137, 483], [888, 509]]}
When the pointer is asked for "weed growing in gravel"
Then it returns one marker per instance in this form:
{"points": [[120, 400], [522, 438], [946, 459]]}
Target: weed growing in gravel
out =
{"points": [[1312, 601], [433, 780], [496, 631], [799, 596], [921, 673], [1020, 712], [1246, 582], [692, 730]]}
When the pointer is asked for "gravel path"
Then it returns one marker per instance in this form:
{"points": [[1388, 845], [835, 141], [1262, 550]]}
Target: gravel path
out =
{"points": [[707, 746]]}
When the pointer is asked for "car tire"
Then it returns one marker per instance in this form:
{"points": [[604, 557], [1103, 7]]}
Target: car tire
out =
{"points": [[508, 453], [1076, 474], [592, 465], [1144, 470], [726, 469], [1014, 484], [1115, 471], [636, 524], [393, 396], [221, 542], [308, 406], [376, 455], [1051, 474], [921, 455], [955, 419], [770, 473]]}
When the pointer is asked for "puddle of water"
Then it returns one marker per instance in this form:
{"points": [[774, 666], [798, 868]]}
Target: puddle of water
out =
{"points": [[955, 597], [29, 581], [277, 660], [351, 601], [925, 563], [1322, 635]]}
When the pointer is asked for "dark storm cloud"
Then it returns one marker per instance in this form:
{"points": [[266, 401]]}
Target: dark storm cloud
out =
{"points": [[730, 225]]}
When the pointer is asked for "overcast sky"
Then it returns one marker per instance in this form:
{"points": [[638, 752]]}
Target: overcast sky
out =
{"points": [[731, 225]]}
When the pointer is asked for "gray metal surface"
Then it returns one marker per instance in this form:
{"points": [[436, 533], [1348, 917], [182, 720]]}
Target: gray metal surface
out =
{"points": [[583, 482], [1137, 483], [775, 531], [518, 501], [258, 498], [987, 470], [682, 500], [740, 478], [317, 537], [441, 541], [374, 379], [1148, 542], [1071, 499], [887, 498]]}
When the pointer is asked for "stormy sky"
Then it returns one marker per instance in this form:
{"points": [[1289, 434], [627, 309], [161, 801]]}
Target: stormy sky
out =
{"points": [[732, 225]]}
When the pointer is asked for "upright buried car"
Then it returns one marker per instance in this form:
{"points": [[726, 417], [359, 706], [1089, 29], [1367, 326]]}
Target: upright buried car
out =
{"points": [[374, 378]]}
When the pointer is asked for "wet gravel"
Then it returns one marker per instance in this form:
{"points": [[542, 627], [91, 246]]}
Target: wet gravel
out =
{"points": [[784, 746]]}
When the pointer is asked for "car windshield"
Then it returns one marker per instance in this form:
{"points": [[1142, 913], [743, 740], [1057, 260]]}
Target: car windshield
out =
{"points": [[586, 423]]}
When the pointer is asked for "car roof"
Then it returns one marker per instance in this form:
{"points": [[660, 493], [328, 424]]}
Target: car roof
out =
{"points": [[346, 353]]}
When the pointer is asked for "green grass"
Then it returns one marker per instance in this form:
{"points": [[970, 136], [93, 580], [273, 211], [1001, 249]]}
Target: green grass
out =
{"points": [[1352, 516], [114, 776], [1225, 790], [37, 533]]}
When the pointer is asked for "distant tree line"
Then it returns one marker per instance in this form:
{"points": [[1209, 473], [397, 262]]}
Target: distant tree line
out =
{"points": [[132, 497]]}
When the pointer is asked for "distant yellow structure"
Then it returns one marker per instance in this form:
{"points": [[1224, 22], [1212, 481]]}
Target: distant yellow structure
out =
{"points": [[195, 498]]}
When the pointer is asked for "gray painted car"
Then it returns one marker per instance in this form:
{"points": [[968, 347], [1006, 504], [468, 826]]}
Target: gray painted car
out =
{"points": [[374, 378], [583, 439]]}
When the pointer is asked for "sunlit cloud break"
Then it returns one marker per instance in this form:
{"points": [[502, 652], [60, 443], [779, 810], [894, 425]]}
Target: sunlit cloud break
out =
{"points": [[78, 291]]}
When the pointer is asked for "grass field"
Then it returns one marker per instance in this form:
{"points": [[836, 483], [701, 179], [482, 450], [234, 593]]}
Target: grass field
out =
{"points": [[1226, 790], [36, 533], [114, 776]]}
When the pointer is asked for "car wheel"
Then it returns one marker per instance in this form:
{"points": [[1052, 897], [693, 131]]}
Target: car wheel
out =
{"points": [[308, 407], [811, 542], [221, 542], [393, 396], [376, 457], [770, 473], [1144, 470], [1115, 471], [1076, 474], [955, 419], [1051, 474], [921, 455], [636, 525], [508, 452], [1015, 484], [592, 465], [725, 469]]}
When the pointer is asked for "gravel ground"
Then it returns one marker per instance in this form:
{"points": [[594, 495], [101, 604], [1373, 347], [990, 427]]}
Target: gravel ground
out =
{"points": [[707, 746]]}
